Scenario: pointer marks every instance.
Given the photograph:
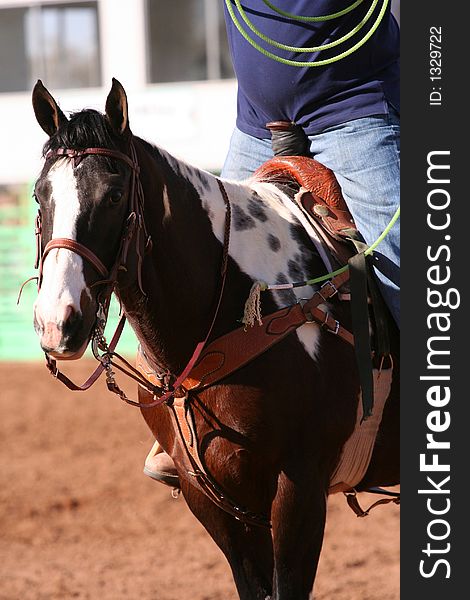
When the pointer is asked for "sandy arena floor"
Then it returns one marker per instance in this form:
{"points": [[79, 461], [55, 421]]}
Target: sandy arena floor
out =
{"points": [[78, 519]]}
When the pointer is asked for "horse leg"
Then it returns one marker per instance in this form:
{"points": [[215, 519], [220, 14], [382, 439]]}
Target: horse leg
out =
{"points": [[249, 550], [298, 516]]}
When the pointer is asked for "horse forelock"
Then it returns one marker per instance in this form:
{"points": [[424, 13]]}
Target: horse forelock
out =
{"points": [[85, 129]]}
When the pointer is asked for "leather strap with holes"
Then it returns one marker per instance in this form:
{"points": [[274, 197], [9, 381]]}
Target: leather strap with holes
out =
{"points": [[230, 352]]}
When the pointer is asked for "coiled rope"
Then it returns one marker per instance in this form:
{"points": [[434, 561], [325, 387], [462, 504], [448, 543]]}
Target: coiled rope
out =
{"points": [[299, 63]]}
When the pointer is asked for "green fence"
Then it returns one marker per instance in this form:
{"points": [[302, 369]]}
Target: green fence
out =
{"points": [[18, 340]]}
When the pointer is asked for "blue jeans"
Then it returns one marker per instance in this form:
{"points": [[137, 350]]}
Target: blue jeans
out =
{"points": [[364, 154]]}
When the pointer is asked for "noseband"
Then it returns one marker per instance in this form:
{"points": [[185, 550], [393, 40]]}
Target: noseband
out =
{"points": [[78, 248]]}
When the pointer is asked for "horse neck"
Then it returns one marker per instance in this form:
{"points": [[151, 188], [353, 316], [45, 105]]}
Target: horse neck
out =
{"points": [[185, 214], [181, 275]]}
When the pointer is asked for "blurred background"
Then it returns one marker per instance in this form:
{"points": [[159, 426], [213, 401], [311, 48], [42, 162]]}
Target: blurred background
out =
{"points": [[171, 56]]}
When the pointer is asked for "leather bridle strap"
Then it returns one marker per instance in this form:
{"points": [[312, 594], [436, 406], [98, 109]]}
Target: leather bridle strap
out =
{"points": [[78, 154], [182, 378], [72, 245], [78, 248], [52, 364]]}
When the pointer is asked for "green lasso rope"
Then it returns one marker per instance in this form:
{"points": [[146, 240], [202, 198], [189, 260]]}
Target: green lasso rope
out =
{"points": [[263, 286], [367, 252], [252, 310], [298, 63], [272, 42]]}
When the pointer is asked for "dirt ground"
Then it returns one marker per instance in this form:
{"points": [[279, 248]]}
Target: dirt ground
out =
{"points": [[78, 519]]}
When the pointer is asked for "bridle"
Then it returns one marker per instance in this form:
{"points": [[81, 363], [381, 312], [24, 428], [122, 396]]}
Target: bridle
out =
{"points": [[135, 222], [134, 229]]}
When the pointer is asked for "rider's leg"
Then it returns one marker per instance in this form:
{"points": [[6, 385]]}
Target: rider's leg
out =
{"points": [[364, 154], [245, 155]]}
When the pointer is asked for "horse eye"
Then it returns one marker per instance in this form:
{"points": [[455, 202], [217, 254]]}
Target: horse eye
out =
{"points": [[115, 196], [35, 198]]}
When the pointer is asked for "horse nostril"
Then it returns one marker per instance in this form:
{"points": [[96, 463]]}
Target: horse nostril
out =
{"points": [[51, 336], [67, 314]]}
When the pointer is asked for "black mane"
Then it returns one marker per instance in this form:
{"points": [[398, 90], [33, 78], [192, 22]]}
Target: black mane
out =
{"points": [[85, 129]]}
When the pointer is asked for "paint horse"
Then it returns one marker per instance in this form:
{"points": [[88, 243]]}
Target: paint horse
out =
{"points": [[118, 213]]}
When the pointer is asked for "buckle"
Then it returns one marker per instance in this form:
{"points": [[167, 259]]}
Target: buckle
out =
{"points": [[327, 326], [336, 329], [332, 293]]}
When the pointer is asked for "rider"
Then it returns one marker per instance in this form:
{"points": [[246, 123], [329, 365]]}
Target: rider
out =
{"points": [[349, 109]]}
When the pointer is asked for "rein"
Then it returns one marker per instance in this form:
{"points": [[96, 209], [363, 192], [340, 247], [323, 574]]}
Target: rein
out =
{"points": [[171, 389]]}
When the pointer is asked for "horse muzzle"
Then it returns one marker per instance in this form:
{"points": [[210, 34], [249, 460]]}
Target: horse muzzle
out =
{"points": [[65, 339]]}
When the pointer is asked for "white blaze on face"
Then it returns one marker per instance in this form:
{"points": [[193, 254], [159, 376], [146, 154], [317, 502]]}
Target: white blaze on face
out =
{"points": [[63, 279]]}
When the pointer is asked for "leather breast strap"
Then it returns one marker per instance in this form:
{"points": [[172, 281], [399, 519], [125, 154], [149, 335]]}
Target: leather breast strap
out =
{"points": [[78, 248], [230, 352]]}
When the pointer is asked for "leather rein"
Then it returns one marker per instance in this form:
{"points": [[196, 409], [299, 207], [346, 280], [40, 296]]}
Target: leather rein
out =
{"points": [[134, 227]]}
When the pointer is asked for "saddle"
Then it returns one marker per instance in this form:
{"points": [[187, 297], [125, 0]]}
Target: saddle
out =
{"points": [[319, 197]]}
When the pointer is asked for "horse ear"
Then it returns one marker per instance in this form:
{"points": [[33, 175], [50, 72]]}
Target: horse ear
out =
{"points": [[116, 108], [46, 109]]}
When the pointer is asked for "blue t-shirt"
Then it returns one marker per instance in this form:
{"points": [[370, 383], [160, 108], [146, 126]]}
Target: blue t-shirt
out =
{"points": [[359, 85]]}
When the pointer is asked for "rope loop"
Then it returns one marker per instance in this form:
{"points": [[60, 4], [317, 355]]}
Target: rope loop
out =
{"points": [[315, 63], [263, 286]]}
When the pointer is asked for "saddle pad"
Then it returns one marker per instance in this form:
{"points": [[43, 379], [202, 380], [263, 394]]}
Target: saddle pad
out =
{"points": [[357, 451]]}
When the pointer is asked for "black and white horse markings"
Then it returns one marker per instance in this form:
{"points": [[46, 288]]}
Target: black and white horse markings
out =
{"points": [[272, 432]]}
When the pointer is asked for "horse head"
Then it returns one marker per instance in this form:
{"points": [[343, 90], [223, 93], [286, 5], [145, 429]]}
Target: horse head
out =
{"points": [[84, 194]]}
